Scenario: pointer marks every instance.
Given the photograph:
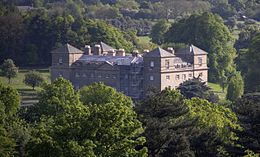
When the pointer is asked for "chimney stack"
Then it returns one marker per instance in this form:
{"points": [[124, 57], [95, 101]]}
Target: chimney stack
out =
{"points": [[97, 50], [111, 53], [170, 49], [120, 52], [146, 51], [135, 53], [87, 50]]}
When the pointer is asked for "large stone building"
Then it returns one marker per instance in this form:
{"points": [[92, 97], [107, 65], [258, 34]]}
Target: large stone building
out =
{"points": [[131, 74]]}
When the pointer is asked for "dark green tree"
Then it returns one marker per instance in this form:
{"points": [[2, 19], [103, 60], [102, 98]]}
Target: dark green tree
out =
{"points": [[158, 31], [252, 81], [33, 79], [9, 70], [235, 87], [247, 109], [165, 118], [196, 88]]}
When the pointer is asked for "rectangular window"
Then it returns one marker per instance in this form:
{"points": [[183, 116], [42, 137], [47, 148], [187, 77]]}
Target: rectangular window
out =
{"points": [[84, 75], [99, 76], [77, 75], [184, 76], [107, 75], [200, 61], [167, 64], [92, 75], [177, 77], [190, 75], [167, 77], [60, 61], [152, 64], [151, 78]]}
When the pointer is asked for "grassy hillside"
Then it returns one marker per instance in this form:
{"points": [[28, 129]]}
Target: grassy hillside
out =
{"points": [[28, 95], [218, 90]]}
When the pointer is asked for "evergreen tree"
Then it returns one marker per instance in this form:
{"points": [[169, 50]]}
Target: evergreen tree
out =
{"points": [[165, 118], [247, 109], [235, 87], [196, 88]]}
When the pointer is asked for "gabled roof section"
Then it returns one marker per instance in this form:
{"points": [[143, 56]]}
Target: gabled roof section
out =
{"points": [[158, 52], [198, 51], [67, 48], [192, 50], [105, 47]]}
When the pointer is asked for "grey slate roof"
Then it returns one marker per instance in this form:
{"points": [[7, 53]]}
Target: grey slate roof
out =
{"points": [[112, 60], [158, 52], [193, 50], [67, 48], [105, 47]]}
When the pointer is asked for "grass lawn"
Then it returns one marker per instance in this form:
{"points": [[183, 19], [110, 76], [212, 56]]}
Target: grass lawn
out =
{"points": [[218, 90], [28, 95]]}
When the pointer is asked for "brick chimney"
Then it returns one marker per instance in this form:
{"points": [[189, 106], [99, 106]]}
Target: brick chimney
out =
{"points": [[120, 52], [97, 50], [87, 50], [170, 49]]}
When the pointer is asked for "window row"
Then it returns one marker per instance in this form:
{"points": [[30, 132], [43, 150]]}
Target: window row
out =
{"points": [[92, 75], [178, 77]]}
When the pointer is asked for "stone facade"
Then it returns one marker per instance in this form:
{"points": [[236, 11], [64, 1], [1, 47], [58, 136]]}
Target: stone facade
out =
{"points": [[131, 74]]}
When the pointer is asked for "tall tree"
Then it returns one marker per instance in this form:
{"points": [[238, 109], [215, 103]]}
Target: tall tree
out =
{"points": [[235, 87], [158, 31], [9, 104], [113, 121], [247, 109], [208, 32], [252, 81], [165, 118], [107, 128], [9, 70]]}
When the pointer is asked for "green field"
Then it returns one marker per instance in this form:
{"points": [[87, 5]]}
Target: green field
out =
{"points": [[218, 90], [28, 95]]}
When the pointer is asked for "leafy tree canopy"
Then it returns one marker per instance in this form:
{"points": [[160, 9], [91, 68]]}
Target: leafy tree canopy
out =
{"points": [[9, 70], [33, 79], [208, 32]]}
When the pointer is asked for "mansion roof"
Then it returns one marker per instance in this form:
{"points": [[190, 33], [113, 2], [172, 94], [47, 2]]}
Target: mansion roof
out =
{"points": [[67, 48], [112, 60], [159, 52]]}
